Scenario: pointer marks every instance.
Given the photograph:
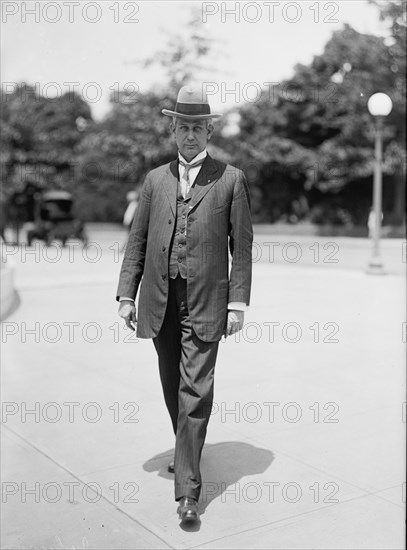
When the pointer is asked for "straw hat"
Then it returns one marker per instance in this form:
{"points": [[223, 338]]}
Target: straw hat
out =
{"points": [[192, 103]]}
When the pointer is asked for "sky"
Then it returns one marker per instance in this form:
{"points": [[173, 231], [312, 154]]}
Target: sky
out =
{"points": [[96, 47]]}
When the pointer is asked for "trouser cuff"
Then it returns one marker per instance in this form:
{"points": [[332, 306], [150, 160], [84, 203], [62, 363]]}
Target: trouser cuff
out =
{"points": [[185, 492]]}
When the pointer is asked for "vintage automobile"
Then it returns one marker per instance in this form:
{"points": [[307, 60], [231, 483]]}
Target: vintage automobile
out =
{"points": [[54, 220]]}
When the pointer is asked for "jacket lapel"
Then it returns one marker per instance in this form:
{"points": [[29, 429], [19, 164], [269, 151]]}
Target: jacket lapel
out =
{"points": [[207, 177]]}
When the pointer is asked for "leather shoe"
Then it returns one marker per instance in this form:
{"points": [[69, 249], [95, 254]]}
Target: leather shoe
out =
{"points": [[171, 467], [188, 509]]}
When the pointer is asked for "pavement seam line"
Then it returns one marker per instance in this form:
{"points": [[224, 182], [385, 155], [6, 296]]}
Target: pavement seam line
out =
{"points": [[308, 465], [364, 490], [84, 483], [282, 520]]}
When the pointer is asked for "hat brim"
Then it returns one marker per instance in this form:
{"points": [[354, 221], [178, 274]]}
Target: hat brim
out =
{"points": [[190, 117]]}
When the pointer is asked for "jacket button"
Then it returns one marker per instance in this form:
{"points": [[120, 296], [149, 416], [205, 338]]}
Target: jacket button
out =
{"points": [[164, 248], [169, 221], [164, 277]]}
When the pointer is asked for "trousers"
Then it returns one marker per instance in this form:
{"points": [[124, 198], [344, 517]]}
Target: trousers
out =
{"points": [[186, 366]]}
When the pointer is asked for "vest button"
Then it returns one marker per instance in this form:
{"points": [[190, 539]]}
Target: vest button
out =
{"points": [[180, 245], [180, 259], [164, 277], [164, 248], [170, 221]]}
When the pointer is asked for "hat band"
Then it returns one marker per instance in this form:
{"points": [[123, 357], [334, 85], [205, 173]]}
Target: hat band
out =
{"points": [[192, 108]]}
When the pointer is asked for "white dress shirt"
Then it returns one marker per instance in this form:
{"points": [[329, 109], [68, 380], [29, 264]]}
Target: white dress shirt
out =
{"points": [[193, 172]]}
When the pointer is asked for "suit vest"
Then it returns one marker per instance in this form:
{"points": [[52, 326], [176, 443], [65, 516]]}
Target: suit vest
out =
{"points": [[178, 252]]}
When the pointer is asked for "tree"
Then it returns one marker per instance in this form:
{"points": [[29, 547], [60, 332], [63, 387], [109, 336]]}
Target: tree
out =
{"points": [[316, 134], [38, 147], [393, 12], [185, 58], [39, 137], [134, 137], [116, 154]]}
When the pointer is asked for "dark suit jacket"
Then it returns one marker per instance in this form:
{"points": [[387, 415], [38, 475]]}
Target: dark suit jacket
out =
{"points": [[219, 211]]}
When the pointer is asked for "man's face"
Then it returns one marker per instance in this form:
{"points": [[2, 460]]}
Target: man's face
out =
{"points": [[191, 136]]}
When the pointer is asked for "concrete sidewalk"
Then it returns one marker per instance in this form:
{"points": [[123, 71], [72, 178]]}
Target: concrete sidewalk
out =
{"points": [[305, 446]]}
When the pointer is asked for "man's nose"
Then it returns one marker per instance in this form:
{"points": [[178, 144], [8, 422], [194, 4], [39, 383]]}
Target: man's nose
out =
{"points": [[190, 136]]}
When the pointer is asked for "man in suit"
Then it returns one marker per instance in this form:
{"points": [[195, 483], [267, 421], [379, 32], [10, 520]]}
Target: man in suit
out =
{"points": [[190, 211]]}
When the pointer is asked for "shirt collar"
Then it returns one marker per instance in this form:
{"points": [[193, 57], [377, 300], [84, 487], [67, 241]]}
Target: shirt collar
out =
{"points": [[200, 156]]}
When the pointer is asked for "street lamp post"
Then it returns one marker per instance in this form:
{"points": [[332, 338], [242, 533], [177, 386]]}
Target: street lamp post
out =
{"points": [[379, 105]]}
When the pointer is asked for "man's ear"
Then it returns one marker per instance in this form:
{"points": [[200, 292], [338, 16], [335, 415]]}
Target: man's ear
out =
{"points": [[171, 129], [209, 131]]}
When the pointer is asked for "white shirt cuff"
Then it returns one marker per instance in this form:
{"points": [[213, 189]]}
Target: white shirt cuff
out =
{"points": [[239, 306], [122, 298]]}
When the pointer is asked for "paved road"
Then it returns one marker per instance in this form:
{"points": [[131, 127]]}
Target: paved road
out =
{"points": [[290, 250], [297, 250], [305, 443]]}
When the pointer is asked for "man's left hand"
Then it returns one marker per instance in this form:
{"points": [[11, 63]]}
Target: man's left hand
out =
{"points": [[234, 322]]}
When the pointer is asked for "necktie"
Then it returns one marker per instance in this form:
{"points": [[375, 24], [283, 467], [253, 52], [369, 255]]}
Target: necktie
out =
{"points": [[185, 178]]}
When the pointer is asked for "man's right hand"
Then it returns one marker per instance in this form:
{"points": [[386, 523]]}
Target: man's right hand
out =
{"points": [[127, 311]]}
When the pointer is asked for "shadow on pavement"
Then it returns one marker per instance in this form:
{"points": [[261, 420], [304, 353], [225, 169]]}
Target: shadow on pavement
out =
{"points": [[222, 466]]}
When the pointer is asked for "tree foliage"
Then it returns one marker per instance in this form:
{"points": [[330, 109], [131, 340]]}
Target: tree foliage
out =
{"points": [[313, 136], [39, 137], [116, 154]]}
